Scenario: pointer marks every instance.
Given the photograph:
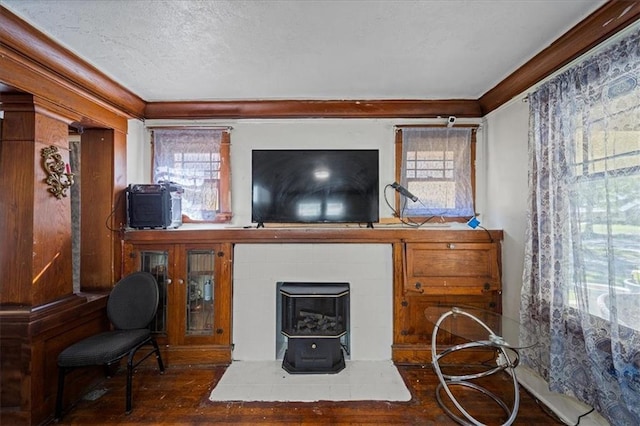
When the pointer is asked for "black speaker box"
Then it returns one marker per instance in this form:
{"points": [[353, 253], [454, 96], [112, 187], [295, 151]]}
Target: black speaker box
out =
{"points": [[149, 206]]}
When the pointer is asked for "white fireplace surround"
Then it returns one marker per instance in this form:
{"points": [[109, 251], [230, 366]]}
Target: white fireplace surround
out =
{"points": [[258, 268]]}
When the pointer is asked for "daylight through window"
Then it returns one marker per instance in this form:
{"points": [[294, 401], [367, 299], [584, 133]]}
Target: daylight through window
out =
{"points": [[197, 160], [437, 168]]}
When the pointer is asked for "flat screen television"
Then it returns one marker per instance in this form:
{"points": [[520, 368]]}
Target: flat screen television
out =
{"points": [[315, 186]]}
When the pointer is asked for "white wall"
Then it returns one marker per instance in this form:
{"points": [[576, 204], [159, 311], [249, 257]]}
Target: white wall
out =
{"points": [[506, 130], [292, 134], [138, 153]]}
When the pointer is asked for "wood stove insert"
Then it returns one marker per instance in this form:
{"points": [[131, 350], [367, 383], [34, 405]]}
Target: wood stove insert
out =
{"points": [[314, 317]]}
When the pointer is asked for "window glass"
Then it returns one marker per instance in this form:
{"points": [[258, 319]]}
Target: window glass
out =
{"points": [[606, 157], [437, 168], [197, 160]]}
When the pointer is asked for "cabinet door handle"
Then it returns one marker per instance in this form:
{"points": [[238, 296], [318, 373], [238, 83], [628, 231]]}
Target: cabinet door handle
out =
{"points": [[180, 281], [487, 288], [418, 288], [168, 280]]}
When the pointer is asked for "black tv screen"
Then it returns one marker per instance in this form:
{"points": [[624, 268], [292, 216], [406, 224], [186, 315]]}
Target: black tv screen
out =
{"points": [[314, 186]]}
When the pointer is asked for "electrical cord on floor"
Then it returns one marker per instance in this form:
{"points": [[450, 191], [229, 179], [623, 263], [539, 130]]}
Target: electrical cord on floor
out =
{"points": [[550, 412], [583, 415]]}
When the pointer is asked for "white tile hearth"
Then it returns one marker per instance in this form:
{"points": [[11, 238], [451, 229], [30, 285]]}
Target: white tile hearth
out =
{"points": [[267, 381]]}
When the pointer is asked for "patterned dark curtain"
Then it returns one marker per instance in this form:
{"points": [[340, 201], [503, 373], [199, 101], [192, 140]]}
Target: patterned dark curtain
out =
{"points": [[581, 283]]}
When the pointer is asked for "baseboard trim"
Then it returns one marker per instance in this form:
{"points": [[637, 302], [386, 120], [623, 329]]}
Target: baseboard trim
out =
{"points": [[566, 408]]}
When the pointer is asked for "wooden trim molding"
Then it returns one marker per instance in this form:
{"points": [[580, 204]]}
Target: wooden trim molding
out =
{"points": [[394, 108], [608, 20], [38, 65], [43, 56], [320, 234], [47, 87]]}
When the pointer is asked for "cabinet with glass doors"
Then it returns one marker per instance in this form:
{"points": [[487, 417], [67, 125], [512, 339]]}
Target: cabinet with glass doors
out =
{"points": [[193, 321]]}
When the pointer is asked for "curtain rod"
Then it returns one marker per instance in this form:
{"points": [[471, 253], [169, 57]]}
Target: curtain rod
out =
{"points": [[185, 127], [437, 126]]}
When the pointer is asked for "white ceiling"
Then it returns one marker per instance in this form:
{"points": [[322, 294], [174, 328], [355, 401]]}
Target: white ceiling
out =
{"points": [[168, 50]]}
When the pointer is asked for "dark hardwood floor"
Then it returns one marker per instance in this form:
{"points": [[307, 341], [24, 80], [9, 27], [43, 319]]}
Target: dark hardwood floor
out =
{"points": [[180, 397]]}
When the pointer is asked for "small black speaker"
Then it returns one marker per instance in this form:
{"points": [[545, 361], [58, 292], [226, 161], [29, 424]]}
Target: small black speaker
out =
{"points": [[149, 206]]}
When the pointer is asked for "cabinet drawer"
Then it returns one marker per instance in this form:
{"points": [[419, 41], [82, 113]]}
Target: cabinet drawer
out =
{"points": [[452, 268], [414, 328]]}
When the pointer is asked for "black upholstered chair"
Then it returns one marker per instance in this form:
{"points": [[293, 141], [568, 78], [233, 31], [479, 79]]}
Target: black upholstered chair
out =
{"points": [[131, 306]]}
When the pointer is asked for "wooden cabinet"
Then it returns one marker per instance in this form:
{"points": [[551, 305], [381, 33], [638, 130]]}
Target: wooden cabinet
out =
{"points": [[193, 322], [430, 267], [441, 273]]}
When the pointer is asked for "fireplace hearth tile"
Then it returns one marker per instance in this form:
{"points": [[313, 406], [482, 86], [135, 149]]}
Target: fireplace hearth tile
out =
{"points": [[267, 381]]}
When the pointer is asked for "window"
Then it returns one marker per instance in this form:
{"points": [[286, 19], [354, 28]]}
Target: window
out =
{"points": [[606, 167], [579, 296], [436, 165], [197, 160]]}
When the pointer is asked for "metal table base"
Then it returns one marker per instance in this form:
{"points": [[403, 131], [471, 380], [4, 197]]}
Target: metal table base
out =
{"points": [[447, 381]]}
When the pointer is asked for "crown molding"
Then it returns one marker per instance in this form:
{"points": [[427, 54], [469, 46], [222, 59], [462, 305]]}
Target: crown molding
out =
{"points": [[603, 23], [33, 63], [40, 56], [314, 109]]}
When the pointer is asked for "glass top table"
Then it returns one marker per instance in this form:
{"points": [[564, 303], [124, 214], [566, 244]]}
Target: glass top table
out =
{"points": [[478, 328]]}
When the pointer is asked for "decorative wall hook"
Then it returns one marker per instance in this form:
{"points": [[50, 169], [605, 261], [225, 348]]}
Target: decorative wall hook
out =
{"points": [[59, 176]]}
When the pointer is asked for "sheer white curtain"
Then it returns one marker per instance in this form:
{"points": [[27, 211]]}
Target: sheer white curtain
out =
{"points": [[191, 158], [581, 289], [436, 167]]}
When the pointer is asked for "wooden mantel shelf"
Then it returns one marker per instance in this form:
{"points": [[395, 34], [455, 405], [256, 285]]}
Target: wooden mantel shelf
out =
{"points": [[196, 234]]}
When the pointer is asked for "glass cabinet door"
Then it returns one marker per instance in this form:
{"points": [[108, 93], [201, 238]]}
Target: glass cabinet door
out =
{"points": [[200, 292], [157, 264]]}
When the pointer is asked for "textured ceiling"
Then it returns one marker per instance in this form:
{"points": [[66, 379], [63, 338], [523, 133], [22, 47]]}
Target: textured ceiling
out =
{"points": [[166, 50]]}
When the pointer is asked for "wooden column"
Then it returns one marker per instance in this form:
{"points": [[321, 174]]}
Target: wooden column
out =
{"points": [[103, 162], [36, 256], [39, 314]]}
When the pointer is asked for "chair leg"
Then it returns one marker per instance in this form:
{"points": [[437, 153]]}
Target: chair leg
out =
{"points": [[158, 356], [131, 366], [129, 383], [59, 397]]}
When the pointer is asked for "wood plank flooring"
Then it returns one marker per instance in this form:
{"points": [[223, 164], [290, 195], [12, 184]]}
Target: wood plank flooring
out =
{"points": [[180, 397]]}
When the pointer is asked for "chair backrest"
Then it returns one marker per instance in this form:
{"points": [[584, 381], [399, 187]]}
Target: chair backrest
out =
{"points": [[133, 301]]}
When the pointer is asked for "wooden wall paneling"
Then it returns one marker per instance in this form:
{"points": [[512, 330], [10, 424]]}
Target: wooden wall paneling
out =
{"points": [[10, 380], [103, 164], [50, 344], [31, 339]]}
